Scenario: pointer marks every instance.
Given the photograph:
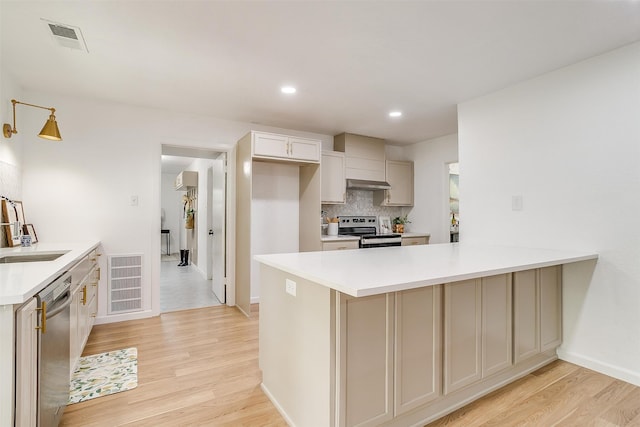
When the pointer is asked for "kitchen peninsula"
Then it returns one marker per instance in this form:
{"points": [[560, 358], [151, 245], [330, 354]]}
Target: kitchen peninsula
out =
{"points": [[403, 335]]}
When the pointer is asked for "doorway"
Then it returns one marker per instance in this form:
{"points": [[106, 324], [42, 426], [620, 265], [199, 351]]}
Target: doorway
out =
{"points": [[454, 202], [189, 215]]}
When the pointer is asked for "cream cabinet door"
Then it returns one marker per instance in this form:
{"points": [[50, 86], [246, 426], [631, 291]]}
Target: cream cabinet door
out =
{"points": [[496, 324], [550, 307], [270, 145], [537, 312], [27, 364], [526, 319], [75, 340], [365, 371], [400, 176], [417, 372], [304, 149], [333, 187], [462, 329], [340, 245]]}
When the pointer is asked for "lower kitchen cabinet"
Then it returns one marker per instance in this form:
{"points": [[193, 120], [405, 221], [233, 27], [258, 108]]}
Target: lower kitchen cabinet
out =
{"points": [[462, 328], [410, 241], [392, 358], [337, 245], [84, 307], [477, 331], [366, 362], [417, 362], [537, 298], [27, 365]]}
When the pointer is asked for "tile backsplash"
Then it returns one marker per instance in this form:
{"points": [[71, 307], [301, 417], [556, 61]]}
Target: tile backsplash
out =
{"points": [[11, 187], [360, 202]]}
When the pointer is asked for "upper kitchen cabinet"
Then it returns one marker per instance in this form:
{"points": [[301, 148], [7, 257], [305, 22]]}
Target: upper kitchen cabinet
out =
{"points": [[364, 156], [271, 146], [186, 179], [333, 188], [399, 175]]}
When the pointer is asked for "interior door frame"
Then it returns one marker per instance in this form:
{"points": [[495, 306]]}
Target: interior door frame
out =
{"points": [[230, 151]]}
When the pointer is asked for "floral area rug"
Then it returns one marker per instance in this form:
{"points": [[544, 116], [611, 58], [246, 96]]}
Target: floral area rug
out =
{"points": [[103, 374]]}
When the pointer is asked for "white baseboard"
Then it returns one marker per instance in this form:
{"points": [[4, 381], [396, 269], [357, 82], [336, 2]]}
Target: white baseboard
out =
{"points": [[255, 300], [277, 405], [599, 366]]}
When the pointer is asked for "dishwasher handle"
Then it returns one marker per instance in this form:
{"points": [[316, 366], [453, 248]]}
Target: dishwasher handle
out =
{"points": [[60, 305]]}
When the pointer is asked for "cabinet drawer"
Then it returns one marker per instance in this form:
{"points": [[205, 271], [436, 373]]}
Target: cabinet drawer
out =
{"points": [[409, 241], [336, 246]]}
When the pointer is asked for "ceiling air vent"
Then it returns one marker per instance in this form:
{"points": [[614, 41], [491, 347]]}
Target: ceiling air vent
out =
{"points": [[66, 35]]}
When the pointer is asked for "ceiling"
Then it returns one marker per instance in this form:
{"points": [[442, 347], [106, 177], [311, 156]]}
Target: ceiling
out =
{"points": [[351, 61]]}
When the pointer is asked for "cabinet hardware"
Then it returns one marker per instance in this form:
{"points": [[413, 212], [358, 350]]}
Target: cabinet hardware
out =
{"points": [[84, 295], [43, 317], [98, 273]]}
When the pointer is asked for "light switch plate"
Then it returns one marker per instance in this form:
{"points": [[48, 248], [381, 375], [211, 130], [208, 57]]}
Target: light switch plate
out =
{"points": [[290, 287], [516, 203]]}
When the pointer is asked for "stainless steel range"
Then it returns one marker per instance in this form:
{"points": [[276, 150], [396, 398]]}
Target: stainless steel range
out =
{"points": [[366, 227]]}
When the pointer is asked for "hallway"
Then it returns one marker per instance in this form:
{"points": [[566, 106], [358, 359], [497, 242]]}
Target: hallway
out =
{"points": [[183, 288]]}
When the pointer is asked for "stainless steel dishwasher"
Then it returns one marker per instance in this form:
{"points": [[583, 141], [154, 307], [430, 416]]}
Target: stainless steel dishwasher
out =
{"points": [[53, 347]]}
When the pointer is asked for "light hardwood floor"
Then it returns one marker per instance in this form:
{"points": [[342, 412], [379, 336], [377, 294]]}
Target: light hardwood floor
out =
{"points": [[200, 368], [195, 367]]}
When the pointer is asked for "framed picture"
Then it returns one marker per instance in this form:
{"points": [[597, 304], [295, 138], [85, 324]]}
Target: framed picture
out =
{"points": [[12, 212], [385, 224], [29, 230]]}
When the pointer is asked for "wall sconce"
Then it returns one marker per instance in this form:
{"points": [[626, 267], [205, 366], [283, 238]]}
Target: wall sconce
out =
{"points": [[49, 131]]}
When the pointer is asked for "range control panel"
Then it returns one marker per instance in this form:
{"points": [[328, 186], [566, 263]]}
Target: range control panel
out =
{"points": [[358, 221]]}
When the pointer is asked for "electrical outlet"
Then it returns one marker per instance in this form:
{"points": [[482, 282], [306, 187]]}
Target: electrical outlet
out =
{"points": [[290, 287], [134, 201]]}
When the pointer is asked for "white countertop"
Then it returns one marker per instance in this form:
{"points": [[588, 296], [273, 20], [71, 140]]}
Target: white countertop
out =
{"points": [[20, 281], [362, 272]]}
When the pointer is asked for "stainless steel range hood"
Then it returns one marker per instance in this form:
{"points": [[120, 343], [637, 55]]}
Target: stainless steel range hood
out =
{"points": [[361, 184]]}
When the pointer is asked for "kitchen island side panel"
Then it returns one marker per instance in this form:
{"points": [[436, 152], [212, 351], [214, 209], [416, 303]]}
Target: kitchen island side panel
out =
{"points": [[297, 342]]}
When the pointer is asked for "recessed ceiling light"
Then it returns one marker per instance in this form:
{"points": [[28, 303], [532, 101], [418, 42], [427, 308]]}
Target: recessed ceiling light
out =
{"points": [[395, 114], [288, 89]]}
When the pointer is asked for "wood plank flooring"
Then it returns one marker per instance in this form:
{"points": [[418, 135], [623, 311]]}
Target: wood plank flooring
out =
{"points": [[559, 394], [195, 367], [200, 368]]}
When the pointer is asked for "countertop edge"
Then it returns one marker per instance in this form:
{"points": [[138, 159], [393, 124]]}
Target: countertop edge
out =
{"points": [[58, 267], [362, 292], [468, 276]]}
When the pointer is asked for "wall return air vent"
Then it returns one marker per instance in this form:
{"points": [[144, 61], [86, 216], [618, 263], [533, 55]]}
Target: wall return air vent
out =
{"points": [[66, 35], [124, 283]]}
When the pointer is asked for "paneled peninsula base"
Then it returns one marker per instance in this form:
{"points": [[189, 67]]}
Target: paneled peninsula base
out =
{"points": [[402, 358]]}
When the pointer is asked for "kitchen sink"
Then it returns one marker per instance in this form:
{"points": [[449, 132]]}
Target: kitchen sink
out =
{"points": [[32, 257]]}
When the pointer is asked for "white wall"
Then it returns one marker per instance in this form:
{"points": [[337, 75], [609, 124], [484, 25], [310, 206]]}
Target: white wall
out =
{"points": [[568, 142], [11, 148], [80, 188], [430, 212]]}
